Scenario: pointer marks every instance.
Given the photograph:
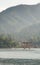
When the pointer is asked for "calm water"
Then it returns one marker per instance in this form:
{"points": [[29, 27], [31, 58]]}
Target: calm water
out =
{"points": [[27, 57], [20, 53], [19, 62]]}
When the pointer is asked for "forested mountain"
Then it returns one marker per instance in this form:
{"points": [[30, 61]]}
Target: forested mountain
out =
{"points": [[22, 21]]}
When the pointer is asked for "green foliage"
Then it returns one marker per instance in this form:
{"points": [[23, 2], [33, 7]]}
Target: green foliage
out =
{"points": [[36, 38], [7, 42]]}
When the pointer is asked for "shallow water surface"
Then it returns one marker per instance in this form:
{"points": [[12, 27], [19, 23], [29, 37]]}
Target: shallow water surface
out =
{"points": [[33, 53], [20, 57], [19, 62]]}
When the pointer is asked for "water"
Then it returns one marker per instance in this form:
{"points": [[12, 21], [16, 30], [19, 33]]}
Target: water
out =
{"points": [[33, 53], [19, 62], [20, 56]]}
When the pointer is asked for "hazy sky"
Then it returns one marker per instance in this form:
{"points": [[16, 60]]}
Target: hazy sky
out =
{"points": [[8, 3]]}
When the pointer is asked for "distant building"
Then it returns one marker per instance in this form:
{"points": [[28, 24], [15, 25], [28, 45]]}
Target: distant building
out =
{"points": [[27, 44]]}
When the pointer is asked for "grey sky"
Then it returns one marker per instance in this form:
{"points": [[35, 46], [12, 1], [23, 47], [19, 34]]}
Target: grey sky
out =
{"points": [[8, 3]]}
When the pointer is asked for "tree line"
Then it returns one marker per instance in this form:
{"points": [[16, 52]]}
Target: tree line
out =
{"points": [[6, 41]]}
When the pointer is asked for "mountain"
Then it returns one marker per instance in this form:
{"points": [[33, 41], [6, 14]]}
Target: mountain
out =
{"points": [[23, 21]]}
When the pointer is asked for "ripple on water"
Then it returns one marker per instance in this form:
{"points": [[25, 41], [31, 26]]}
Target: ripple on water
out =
{"points": [[19, 62]]}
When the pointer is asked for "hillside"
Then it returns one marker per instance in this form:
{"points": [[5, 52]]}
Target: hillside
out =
{"points": [[22, 21]]}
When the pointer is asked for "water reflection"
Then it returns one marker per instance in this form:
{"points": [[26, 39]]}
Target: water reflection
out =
{"points": [[19, 62]]}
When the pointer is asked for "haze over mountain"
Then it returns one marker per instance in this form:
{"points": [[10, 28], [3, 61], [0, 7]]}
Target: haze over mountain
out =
{"points": [[23, 21]]}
